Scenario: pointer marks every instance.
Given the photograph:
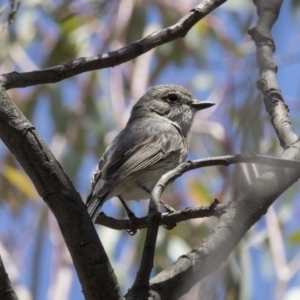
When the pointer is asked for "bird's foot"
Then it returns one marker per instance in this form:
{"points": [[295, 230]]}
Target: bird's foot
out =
{"points": [[169, 210], [131, 219], [167, 224]]}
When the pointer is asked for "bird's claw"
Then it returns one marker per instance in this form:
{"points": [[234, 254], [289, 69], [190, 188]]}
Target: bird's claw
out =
{"points": [[166, 224], [170, 226], [131, 219]]}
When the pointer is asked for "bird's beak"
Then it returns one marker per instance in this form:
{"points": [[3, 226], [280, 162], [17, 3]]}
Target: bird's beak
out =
{"points": [[198, 105]]}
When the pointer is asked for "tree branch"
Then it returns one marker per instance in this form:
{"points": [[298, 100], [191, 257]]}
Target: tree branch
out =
{"points": [[6, 290], [215, 209], [111, 59], [240, 214], [91, 262], [217, 161], [140, 287], [254, 201], [233, 226], [268, 12], [200, 212], [237, 217]]}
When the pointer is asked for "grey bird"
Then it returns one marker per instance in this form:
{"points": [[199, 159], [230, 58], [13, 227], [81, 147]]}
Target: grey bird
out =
{"points": [[153, 142]]}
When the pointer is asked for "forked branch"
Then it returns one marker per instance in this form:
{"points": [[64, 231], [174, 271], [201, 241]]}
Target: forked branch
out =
{"points": [[198, 212]]}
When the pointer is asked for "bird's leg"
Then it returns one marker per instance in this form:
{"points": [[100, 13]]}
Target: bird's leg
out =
{"points": [[169, 209], [131, 217]]}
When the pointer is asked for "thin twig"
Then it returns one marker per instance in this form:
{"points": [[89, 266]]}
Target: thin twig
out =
{"points": [[217, 161], [111, 59], [188, 213]]}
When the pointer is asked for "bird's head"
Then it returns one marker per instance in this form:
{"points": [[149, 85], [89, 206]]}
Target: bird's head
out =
{"points": [[172, 102]]}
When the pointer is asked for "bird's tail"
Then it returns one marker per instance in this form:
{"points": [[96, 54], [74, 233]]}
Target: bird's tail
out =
{"points": [[94, 204]]}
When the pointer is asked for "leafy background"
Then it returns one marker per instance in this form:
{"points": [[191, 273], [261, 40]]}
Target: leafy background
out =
{"points": [[80, 116]]}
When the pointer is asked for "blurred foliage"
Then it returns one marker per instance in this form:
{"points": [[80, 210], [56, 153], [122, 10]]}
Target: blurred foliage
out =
{"points": [[294, 238], [20, 180], [79, 116]]}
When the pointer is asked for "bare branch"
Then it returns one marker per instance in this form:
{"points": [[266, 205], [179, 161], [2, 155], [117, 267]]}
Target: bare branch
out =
{"points": [[140, 287], [6, 290], [89, 257], [111, 59], [217, 161], [200, 212], [141, 284], [215, 209], [240, 214], [254, 201], [268, 12]]}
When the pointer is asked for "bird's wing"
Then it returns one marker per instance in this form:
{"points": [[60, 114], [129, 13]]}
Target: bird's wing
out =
{"points": [[146, 151], [142, 149]]}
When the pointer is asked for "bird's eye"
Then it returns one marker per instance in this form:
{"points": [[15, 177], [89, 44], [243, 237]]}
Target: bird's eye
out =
{"points": [[172, 97]]}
